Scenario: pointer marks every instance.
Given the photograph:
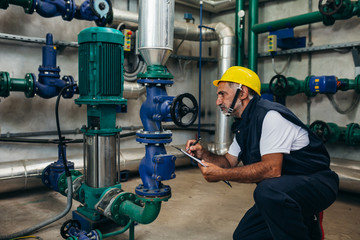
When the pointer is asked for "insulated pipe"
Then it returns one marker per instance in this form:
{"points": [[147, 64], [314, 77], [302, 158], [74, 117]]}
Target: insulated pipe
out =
{"points": [[133, 90], [26, 174], [226, 58]]}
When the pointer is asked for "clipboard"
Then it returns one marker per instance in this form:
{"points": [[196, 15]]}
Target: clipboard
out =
{"points": [[192, 157], [198, 161]]}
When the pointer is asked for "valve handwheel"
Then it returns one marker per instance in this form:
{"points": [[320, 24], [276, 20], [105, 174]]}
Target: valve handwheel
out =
{"points": [[321, 129], [64, 230], [278, 85], [103, 10], [184, 110], [330, 7]]}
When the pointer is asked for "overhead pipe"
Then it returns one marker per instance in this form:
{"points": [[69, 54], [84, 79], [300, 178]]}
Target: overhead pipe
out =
{"points": [[214, 6], [348, 10]]}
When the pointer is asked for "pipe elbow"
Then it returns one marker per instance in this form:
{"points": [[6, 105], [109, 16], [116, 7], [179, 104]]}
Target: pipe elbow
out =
{"points": [[144, 215]]}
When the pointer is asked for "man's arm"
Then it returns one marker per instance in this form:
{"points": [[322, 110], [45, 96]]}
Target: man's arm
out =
{"points": [[269, 167], [223, 161]]}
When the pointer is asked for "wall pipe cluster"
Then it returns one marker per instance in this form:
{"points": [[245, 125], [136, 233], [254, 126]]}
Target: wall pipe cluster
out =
{"points": [[47, 85]]}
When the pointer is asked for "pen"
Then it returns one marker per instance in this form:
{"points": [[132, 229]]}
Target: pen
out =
{"points": [[227, 182], [193, 144]]}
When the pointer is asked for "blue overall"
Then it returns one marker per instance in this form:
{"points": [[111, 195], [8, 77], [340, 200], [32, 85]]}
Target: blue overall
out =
{"points": [[284, 206]]}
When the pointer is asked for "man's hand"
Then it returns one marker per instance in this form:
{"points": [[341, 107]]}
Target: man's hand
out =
{"points": [[212, 172], [196, 150]]}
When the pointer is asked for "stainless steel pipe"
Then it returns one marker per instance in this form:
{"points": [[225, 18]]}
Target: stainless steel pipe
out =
{"points": [[100, 161], [155, 46]]}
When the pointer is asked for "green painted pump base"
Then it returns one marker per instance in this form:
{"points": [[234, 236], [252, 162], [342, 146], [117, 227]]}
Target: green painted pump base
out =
{"points": [[156, 71], [89, 197], [101, 132], [62, 183], [100, 100]]}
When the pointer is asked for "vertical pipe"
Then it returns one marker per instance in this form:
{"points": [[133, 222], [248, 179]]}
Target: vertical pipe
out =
{"points": [[253, 37], [239, 31], [200, 56], [310, 43]]}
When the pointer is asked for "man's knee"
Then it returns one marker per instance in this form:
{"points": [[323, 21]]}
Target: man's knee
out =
{"points": [[264, 194]]}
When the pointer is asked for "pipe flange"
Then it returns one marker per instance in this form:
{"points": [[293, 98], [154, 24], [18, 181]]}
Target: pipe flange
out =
{"points": [[155, 81], [349, 134], [357, 84], [70, 9], [161, 194], [115, 207], [154, 135], [307, 91], [30, 85], [4, 84], [69, 93]]}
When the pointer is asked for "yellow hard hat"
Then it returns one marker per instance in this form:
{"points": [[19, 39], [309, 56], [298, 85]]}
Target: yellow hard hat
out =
{"points": [[242, 76]]}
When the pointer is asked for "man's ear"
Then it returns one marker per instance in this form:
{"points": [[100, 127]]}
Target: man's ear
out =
{"points": [[244, 93]]}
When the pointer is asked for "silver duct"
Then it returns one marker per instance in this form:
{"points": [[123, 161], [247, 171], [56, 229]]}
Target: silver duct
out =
{"points": [[133, 90], [156, 46], [26, 174]]}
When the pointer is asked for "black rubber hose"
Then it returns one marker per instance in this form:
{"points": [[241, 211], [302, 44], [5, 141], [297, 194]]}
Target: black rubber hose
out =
{"points": [[61, 144]]}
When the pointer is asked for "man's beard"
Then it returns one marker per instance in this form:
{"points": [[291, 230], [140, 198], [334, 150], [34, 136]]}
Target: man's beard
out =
{"points": [[226, 111]]}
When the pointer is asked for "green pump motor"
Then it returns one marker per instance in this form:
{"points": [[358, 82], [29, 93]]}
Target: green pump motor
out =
{"points": [[101, 88]]}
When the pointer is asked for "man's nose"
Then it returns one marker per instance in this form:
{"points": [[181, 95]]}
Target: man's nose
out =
{"points": [[218, 101]]}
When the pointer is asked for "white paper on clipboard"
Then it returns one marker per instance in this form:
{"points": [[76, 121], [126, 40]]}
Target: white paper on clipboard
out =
{"points": [[192, 157]]}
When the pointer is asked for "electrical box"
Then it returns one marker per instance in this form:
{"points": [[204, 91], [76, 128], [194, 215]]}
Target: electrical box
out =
{"points": [[272, 43], [127, 41]]}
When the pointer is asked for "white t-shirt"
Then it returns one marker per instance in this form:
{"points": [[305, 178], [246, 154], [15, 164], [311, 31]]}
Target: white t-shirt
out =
{"points": [[278, 135]]}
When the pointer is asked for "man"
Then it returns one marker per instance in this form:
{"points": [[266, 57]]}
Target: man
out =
{"points": [[289, 163]]}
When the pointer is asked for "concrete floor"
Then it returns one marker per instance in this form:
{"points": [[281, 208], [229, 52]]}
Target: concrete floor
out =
{"points": [[197, 210]]}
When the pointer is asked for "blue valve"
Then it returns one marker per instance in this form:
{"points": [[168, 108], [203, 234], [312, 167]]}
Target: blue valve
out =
{"points": [[323, 84]]}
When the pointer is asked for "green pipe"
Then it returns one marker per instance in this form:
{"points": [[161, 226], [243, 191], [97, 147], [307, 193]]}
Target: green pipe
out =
{"points": [[239, 32], [290, 22], [253, 37], [143, 215], [25, 85], [119, 231]]}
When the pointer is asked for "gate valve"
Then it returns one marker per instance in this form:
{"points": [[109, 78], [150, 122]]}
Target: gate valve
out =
{"points": [[321, 129], [184, 110], [278, 85], [330, 7]]}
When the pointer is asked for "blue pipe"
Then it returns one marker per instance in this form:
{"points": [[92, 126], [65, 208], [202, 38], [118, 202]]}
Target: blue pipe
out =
{"points": [[200, 56], [156, 165]]}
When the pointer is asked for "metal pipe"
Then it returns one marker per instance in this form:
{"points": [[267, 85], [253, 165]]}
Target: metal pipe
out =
{"points": [[100, 161], [239, 31], [290, 22], [26, 174], [215, 6], [133, 90], [253, 37], [226, 38]]}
